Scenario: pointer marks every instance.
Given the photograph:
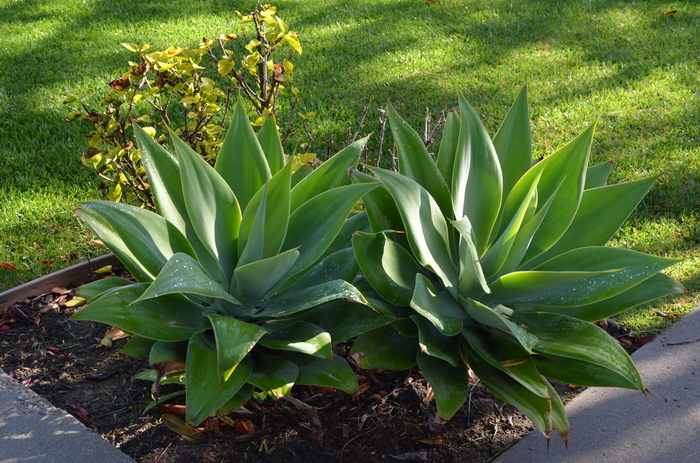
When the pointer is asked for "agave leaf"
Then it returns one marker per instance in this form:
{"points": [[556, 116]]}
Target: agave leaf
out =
{"points": [[601, 213], [560, 421], [382, 305], [568, 163], [234, 339], [314, 225], [167, 318], [388, 267], [425, 225], [471, 274], [184, 275], [340, 265], [635, 267], [579, 372], [450, 383], [212, 207], [238, 400], [331, 174], [271, 145], [477, 183], [416, 163], [274, 374], [142, 240], [205, 393], [448, 146], [579, 340], [300, 174], [437, 306], [241, 161], [138, 346], [269, 209], [314, 371], [385, 349], [539, 286], [311, 297], [162, 351], [256, 279], [485, 315], [343, 240], [652, 288], [538, 409], [513, 142], [344, 319], [597, 176], [507, 356], [299, 336], [165, 183], [93, 290], [435, 344]]}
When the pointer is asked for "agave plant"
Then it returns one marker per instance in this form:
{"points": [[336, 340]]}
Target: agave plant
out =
{"points": [[495, 263], [241, 280]]}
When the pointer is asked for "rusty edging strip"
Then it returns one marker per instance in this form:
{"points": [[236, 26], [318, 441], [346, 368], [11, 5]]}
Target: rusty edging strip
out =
{"points": [[68, 277]]}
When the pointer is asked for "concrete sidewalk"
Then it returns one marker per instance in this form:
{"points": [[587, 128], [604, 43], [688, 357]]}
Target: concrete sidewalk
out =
{"points": [[33, 430], [622, 426]]}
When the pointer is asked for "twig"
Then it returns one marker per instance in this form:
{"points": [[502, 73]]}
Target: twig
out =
{"points": [[166, 449], [362, 121], [382, 123], [682, 342]]}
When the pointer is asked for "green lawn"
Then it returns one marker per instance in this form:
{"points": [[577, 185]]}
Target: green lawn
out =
{"points": [[618, 63]]}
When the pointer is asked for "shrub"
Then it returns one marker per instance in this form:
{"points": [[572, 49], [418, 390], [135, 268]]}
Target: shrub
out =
{"points": [[241, 274], [498, 265]]}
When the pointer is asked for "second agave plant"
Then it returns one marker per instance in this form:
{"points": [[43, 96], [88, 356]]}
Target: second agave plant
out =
{"points": [[498, 264]]}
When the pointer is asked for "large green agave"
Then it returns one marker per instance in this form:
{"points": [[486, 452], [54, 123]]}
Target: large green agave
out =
{"points": [[241, 274], [498, 264]]}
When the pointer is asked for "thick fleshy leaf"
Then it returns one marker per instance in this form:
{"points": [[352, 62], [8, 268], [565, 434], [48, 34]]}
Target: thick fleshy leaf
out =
{"points": [[314, 371], [162, 351], [579, 340], [385, 349], [265, 220], [416, 163], [485, 315], [597, 176], [513, 142], [507, 356], [234, 339], [271, 145], [142, 240], [435, 344], [477, 184], [635, 268], [344, 319], [314, 225], [560, 421], [138, 346], [388, 267], [167, 318], [331, 174], [538, 409], [93, 290], [165, 182], [471, 274], [341, 265], [579, 373], [601, 213], [274, 374], [343, 240], [184, 275], [205, 393], [425, 226], [238, 400], [241, 160], [308, 298], [450, 384], [652, 288], [448, 146], [539, 286], [437, 306], [212, 207], [256, 279], [299, 336]]}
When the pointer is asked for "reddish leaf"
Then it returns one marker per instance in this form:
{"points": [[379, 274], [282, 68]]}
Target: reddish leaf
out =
{"points": [[172, 408], [8, 266], [120, 84], [439, 440], [81, 413], [176, 424], [17, 314], [59, 290], [244, 426], [26, 381], [644, 340], [48, 261], [97, 243]]}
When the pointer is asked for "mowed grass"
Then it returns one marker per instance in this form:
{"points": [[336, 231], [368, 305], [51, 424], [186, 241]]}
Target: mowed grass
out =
{"points": [[618, 64]]}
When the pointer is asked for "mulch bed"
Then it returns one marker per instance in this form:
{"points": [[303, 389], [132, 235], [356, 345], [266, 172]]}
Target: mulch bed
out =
{"points": [[391, 418]]}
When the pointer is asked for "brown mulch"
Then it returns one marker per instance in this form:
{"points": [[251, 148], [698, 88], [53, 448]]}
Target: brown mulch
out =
{"points": [[392, 418]]}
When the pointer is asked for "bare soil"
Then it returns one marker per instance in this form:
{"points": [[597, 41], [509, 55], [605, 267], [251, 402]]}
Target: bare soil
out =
{"points": [[392, 418]]}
